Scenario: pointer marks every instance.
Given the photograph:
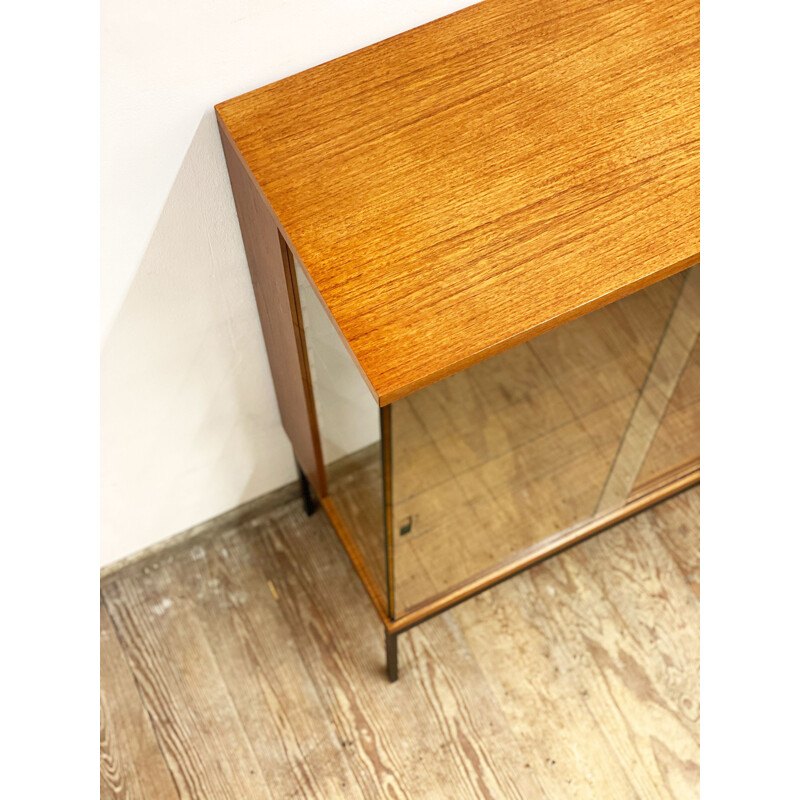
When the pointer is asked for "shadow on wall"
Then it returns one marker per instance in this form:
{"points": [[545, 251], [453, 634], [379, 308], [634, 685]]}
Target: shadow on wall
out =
{"points": [[189, 421]]}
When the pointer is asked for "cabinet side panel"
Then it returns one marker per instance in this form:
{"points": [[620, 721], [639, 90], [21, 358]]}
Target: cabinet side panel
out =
{"points": [[275, 298]]}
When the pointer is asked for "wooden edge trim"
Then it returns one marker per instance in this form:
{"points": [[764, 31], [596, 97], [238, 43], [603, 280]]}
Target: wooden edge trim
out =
{"points": [[388, 526], [540, 552], [398, 393], [305, 369], [355, 557], [296, 256], [663, 478]]}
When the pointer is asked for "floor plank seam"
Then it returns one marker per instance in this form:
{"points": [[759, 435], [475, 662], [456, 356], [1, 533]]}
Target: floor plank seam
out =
{"points": [[153, 726], [479, 710]]}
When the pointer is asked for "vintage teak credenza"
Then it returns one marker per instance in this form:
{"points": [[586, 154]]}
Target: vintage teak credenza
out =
{"points": [[474, 249]]}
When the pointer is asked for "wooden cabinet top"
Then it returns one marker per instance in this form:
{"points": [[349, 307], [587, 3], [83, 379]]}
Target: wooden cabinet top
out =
{"points": [[473, 182]]}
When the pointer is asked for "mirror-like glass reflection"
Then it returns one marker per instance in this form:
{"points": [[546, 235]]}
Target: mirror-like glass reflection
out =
{"points": [[349, 426], [492, 461]]}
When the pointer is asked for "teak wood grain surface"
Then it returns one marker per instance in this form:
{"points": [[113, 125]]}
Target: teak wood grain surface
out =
{"points": [[471, 183]]}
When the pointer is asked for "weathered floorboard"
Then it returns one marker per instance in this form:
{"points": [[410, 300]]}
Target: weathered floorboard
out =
{"points": [[254, 654], [200, 733], [677, 526], [274, 697], [436, 736], [607, 634], [131, 764]]}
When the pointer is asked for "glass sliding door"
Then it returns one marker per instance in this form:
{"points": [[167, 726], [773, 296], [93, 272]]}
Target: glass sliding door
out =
{"points": [[349, 427], [497, 460]]}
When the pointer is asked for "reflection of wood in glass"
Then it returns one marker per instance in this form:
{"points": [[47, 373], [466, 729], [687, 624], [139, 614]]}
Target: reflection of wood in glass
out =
{"points": [[516, 449], [675, 446], [674, 351], [355, 485], [540, 438]]}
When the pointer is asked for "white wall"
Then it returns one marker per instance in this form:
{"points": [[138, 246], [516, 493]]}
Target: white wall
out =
{"points": [[189, 422]]}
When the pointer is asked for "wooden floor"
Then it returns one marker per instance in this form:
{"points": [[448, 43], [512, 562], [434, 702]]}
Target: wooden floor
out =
{"points": [[248, 663]]}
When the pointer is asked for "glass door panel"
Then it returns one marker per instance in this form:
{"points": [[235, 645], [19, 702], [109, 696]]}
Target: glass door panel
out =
{"points": [[349, 426], [491, 462]]}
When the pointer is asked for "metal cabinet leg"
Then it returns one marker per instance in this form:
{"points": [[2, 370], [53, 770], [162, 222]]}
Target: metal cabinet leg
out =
{"points": [[391, 656], [305, 488]]}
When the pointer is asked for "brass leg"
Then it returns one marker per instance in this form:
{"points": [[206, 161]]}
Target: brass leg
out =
{"points": [[391, 656]]}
